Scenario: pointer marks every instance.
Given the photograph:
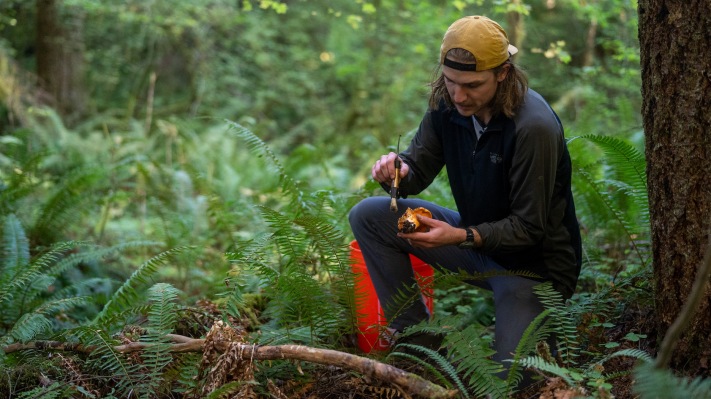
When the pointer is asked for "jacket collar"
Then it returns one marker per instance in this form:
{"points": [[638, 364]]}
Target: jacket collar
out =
{"points": [[496, 124]]}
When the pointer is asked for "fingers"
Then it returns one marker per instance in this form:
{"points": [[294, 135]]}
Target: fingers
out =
{"points": [[440, 234], [383, 170]]}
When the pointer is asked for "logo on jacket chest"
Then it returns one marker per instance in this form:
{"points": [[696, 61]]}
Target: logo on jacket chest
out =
{"points": [[495, 158]]}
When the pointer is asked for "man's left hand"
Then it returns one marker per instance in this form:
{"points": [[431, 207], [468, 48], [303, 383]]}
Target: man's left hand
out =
{"points": [[440, 234]]}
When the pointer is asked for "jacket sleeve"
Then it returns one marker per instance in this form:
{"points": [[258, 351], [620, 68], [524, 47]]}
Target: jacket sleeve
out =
{"points": [[539, 148]]}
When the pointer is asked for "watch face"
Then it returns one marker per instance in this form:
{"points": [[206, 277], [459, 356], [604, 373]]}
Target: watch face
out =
{"points": [[466, 244]]}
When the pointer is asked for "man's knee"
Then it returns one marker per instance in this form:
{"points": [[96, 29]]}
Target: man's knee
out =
{"points": [[363, 210]]}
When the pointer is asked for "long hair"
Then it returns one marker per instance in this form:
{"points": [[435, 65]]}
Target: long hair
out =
{"points": [[509, 94]]}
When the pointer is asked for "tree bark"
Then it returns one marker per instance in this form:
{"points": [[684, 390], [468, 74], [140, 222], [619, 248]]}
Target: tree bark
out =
{"points": [[676, 79], [516, 29], [60, 57]]}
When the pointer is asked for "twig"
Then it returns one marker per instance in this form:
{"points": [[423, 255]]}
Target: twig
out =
{"points": [[409, 383]]}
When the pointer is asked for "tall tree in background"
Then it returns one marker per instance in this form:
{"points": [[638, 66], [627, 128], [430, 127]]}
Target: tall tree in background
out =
{"points": [[674, 42], [60, 57]]}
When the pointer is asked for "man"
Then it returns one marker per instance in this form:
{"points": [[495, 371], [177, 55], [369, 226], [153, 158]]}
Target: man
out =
{"points": [[510, 174]]}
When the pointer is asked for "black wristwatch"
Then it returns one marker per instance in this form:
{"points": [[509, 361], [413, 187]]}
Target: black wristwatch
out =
{"points": [[469, 242]]}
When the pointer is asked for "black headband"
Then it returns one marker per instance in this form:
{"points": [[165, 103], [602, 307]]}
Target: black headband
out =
{"points": [[458, 65]]}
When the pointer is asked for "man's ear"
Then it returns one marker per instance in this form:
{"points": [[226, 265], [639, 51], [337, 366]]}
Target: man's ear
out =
{"points": [[503, 72]]}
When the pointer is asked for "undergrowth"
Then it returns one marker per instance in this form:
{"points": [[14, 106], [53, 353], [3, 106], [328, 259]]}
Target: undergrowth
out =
{"points": [[78, 272]]}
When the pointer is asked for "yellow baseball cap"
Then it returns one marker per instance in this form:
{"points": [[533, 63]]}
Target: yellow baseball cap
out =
{"points": [[482, 37]]}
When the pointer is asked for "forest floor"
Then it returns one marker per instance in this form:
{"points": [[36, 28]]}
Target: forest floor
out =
{"points": [[330, 382]]}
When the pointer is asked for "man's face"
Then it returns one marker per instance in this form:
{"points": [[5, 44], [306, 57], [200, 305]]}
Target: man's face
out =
{"points": [[472, 91]]}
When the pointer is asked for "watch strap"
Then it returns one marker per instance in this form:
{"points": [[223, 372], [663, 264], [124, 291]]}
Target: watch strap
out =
{"points": [[469, 242]]}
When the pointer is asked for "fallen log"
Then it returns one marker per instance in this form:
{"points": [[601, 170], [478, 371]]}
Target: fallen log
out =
{"points": [[409, 383]]}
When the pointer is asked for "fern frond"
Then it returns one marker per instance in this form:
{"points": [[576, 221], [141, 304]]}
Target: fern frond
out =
{"points": [[470, 351], [652, 382], [27, 327], [127, 293], [249, 255], [162, 317], [19, 185], [296, 290], [163, 310], [96, 253], [537, 331], [15, 247], [563, 326], [103, 359], [35, 323], [257, 145], [54, 390], [571, 377], [328, 241], [28, 273], [67, 202], [448, 374], [631, 352], [624, 158], [631, 228], [187, 370], [449, 277]]}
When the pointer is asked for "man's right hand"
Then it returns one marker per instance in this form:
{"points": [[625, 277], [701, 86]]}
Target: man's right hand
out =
{"points": [[383, 170]]}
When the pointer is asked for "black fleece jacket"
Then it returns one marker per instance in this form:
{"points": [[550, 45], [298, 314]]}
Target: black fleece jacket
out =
{"points": [[513, 185]]}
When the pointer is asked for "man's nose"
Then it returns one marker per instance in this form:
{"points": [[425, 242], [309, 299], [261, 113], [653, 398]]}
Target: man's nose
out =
{"points": [[458, 94]]}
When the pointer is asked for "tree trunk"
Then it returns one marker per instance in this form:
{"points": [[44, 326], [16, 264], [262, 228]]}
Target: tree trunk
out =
{"points": [[516, 30], [60, 57], [676, 79]]}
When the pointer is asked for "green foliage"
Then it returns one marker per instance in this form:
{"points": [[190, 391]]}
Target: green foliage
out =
{"points": [[128, 292], [656, 383], [432, 361], [28, 306], [303, 265], [611, 199], [558, 323], [162, 318], [316, 91], [471, 352]]}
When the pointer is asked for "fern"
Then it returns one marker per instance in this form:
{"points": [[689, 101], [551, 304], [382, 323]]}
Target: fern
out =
{"points": [[16, 186], [559, 321], [11, 285], [470, 351], [448, 374], [654, 383], [37, 322], [571, 377], [67, 203], [632, 229], [629, 163], [562, 323], [255, 144], [54, 390], [162, 317], [227, 390], [24, 283], [104, 359], [309, 252], [539, 330], [624, 171], [127, 294], [15, 247]]}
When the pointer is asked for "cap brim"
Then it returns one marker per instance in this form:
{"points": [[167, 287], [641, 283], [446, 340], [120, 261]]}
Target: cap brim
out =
{"points": [[512, 50]]}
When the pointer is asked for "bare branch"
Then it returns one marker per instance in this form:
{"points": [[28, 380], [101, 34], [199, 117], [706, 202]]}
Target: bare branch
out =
{"points": [[409, 383]]}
